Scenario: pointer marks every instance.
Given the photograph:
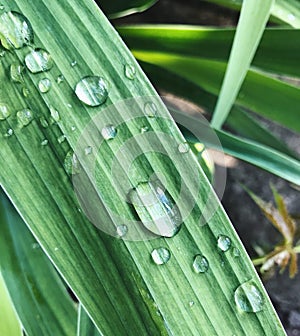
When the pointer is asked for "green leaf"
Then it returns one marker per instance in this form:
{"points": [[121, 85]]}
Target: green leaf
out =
{"points": [[39, 296], [9, 323], [253, 18], [117, 281], [85, 326], [118, 8]]}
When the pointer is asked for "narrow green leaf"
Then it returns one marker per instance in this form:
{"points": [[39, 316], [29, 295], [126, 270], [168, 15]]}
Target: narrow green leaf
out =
{"points": [[253, 18], [9, 323], [39, 296], [85, 326]]}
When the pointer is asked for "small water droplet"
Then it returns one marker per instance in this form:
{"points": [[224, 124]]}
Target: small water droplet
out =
{"points": [[38, 60], [224, 243], [73, 63], [144, 129], [16, 73], [109, 132], [150, 109], [200, 264], [2, 7], [44, 122], [161, 255], [54, 113], [92, 90], [26, 92], [183, 147], [122, 230], [61, 139], [69, 106], [2, 53], [88, 150], [130, 71], [60, 79], [44, 142], [35, 246], [156, 208], [236, 252], [9, 133], [71, 163], [25, 117], [191, 303], [44, 85], [4, 111], [56, 249], [249, 298], [291, 17], [73, 128], [16, 30]]}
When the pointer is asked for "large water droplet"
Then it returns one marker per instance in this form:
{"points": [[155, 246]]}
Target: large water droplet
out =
{"points": [[16, 71], [15, 30], [24, 117], [109, 132], [161, 255], [130, 71], [150, 109], [44, 85], [38, 60], [156, 208], [200, 264], [4, 111], [249, 298], [122, 230], [92, 90], [71, 163], [224, 243]]}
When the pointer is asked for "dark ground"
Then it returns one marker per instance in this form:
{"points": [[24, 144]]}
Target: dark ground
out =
{"points": [[251, 225]]}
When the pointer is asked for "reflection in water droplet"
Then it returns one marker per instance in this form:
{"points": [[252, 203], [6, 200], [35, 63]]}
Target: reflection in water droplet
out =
{"points": [[183, 147], [24, 117], [38, 60], [249, 298], [200, 264], [44, 142], [54, 113], [71, 163], [15, 30], [224, 243], [144, 129], [150, 109], [9, 133], [4, 111], [92, 90], [60, 79], [88, 150], [161, 255], [122, 230], [130, 72], [109, 132], [61, 139], [16, 71], [156, 208], [44, 85]]}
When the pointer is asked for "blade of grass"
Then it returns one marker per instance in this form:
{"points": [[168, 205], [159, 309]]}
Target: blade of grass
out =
{"points": [[9, 323], [39, 296], [253, 19], [121, 288], [85, 326]]}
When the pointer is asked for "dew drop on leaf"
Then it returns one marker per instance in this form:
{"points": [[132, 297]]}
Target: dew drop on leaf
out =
{"points": [[44, 85], [92, 90], [9, 133], [16, 72], [130, 71], [61, 139], [150, 109], [60, 79], [44, 142], [54, 113], [183, 147], [24, 117], [88, 150], [200, 264], [71, 163], [122, 230], [224, 243], [160, 255], [109, 132], [249, 298], [144, 129], [38, 60], [4, 111]]}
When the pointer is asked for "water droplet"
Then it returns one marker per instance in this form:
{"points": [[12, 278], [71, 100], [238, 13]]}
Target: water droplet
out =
{"points": [[156, 209], [35, 246], [73, 63], [144, 129], [150, 109], [60, 79], [16, 73], [9, 133], [92, 90], [191, 303], [4, 112], [54, 113], [130, 71], [224, 243], [38, 60], [109, 132], [44, 142], [236, 252], [200, 264], [44, 85], [69, 106], [24, 117], [249, 298], [183, 147], [2, 7], [26, 92], [71, 163], [15, 30], [73, 128], [122, 230], [161, 255], [61, 139], [2, 53], [291, 17], [44, 122], [88, 150], [56, 249]]}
